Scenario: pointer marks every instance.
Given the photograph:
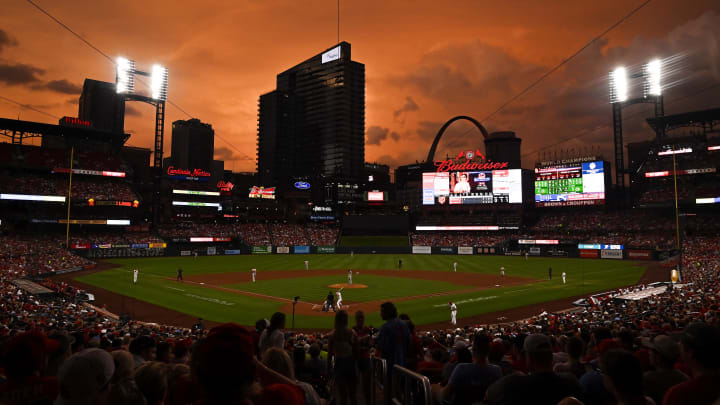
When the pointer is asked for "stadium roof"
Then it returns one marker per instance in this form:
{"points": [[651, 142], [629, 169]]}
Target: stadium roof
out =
{"points": [[709, 120]]}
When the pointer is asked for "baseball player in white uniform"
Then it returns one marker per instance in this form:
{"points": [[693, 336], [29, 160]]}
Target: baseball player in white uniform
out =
{"points": [[338, 305], [253, 272], [455, 267], [502, 273], [135, 275], [350, 276], [307, 265], [563, 275], [453, 313], [526, 255]]}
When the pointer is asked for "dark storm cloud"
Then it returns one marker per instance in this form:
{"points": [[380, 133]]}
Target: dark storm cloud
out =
{"points": [[410, 105], [377, 134], [61, 86], [224, 153], [19, 74], [131, 111], [6, 40]]}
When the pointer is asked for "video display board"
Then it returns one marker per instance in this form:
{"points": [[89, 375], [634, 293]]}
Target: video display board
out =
{"points": [[580, 184], [473, 187]]}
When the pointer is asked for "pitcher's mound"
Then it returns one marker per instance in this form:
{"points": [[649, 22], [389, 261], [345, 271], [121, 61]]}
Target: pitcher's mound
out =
{"points": [[347, 286]]}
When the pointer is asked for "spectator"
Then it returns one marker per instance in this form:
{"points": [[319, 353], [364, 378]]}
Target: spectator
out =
{"points": [[85, 377], [701, 352], [143, 349], [393, 341], [24, 358], [364, 336], [574, 366], [151, 378], [664, 353], [624, 377], [469, 381], [279, 361], [342, 346], [541, 385], [273, 336]]}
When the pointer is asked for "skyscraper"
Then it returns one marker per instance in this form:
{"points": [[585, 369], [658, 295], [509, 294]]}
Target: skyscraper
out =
{"points": [[102, 106], [313, 124], [193, 145]]}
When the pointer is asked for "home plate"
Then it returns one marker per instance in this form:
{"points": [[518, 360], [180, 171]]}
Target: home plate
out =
{"points": [[202, 283]]}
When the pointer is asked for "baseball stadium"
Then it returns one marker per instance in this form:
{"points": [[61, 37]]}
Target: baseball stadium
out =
{"points": [[365, 282]]}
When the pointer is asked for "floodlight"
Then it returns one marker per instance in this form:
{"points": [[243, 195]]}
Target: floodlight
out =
{"points": [[125, 75], [653, 75], [159, 82], [618, 85]]}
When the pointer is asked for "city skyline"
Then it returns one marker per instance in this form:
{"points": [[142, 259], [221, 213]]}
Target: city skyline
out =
{"points": [[424, 65]]}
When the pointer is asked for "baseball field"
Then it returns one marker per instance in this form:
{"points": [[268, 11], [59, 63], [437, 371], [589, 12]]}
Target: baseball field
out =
{"points": [[220, 289]]}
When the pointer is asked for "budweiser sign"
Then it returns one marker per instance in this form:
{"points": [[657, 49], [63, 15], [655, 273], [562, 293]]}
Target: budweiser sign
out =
{"points": [[262, 192], [463, 162], [172, 171]]}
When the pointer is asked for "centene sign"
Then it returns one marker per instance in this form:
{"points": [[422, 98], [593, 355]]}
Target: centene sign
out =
{"points": [[172, 171], [456, 164]]}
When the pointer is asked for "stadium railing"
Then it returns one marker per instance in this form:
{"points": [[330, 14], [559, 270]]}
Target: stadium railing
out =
{"points": [[378, 370], [409, 387]]}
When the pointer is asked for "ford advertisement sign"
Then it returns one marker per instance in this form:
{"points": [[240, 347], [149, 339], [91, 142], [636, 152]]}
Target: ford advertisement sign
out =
{"points": [[302, 185]]}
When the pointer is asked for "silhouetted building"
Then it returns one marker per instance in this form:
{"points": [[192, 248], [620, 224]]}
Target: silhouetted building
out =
{"points": [[504, 147], [193, 145], [313, 124], [102, 106]]}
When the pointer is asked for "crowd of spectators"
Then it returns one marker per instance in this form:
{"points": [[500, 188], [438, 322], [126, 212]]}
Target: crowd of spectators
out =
{"points": [[288, 235], [457, 239], [25, 255], [322, 235], [83, 187], [658, 350]]}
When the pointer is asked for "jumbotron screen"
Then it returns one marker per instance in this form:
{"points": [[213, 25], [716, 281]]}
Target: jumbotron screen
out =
{"points": [[475, 187], [582, 184]]}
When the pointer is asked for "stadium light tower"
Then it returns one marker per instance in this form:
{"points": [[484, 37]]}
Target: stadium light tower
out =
{"points": [[125, 72], [620, 98]]}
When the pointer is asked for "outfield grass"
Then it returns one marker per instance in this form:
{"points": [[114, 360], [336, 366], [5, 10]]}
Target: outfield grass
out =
{"points": [[584, 276], [365, 241], [378, 287]]}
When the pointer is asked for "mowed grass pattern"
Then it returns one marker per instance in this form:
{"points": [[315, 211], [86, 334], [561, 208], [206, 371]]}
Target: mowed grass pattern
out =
{"points": [[315, 289], [157, 285]]}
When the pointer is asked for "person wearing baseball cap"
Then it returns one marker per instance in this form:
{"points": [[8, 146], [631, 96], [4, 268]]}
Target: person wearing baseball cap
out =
{"points": [[541, 385], [84, 378], [664, 353]]}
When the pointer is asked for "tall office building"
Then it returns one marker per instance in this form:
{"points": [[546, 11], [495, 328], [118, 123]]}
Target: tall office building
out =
{"points": [[102, 106], [193, 145], [313, 124]]}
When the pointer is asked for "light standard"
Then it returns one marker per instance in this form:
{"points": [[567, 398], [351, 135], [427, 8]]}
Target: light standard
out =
{"points": [[125, 86]]}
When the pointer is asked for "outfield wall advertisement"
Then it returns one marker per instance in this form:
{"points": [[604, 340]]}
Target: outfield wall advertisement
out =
{"points": [[261, 250], [611, 254], [283, 250], [640, 254], [326, 249], [589, 253], [421, 250], [465, 250], [302, 249]]}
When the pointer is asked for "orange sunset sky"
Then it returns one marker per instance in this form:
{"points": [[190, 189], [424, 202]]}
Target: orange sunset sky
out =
{"points": [[425, 63]]}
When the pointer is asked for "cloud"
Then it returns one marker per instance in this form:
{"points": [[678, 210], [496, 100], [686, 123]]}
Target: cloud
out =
{"points": [[131, 111], [63, 86], [6, 40], [410, 105], [224, 153], [20, 74], [377, 134], [72, 101]]}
